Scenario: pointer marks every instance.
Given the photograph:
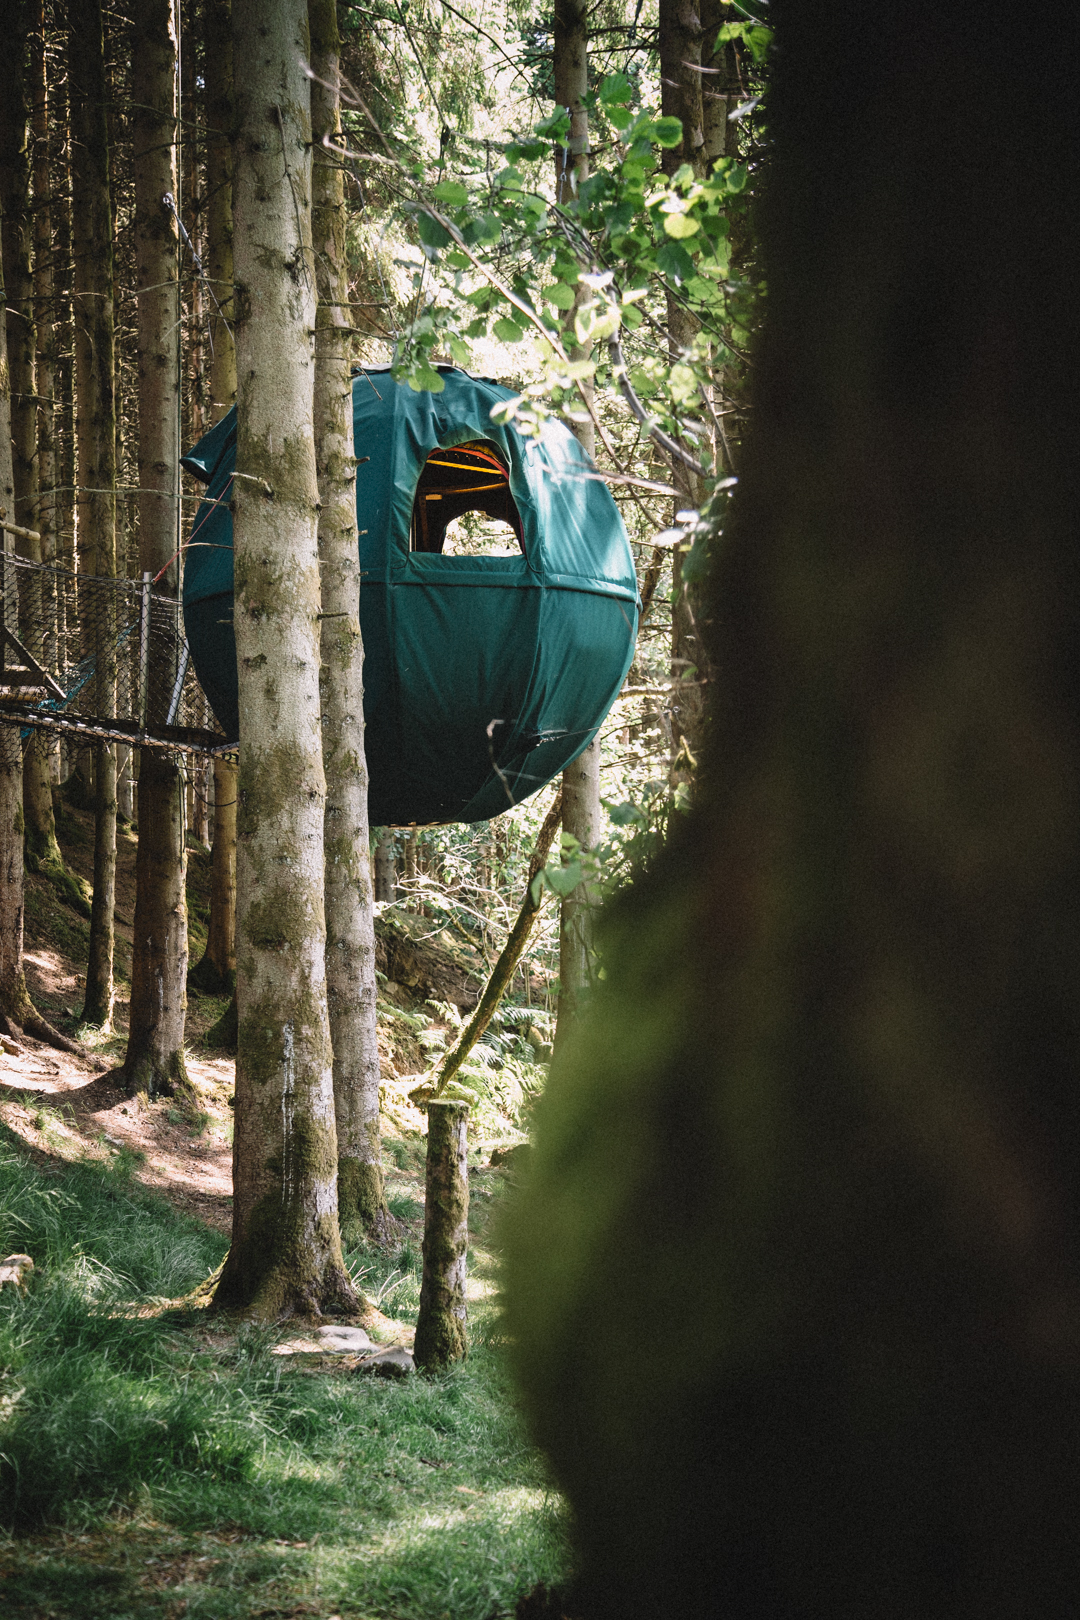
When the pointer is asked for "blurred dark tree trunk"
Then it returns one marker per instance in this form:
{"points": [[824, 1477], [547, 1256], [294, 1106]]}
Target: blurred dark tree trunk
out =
{"points": [[827, 1096]]}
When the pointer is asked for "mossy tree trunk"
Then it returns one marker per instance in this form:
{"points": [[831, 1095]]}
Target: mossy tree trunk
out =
{"points": [[46, 323], [92, 232], [216, 972], [286, 1247], [440, 1324], [154, 1062], [350, 913], [16, 172], [17, 1011]]}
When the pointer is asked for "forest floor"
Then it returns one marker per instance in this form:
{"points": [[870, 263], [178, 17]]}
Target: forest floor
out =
{"points": [[158, 1461]]}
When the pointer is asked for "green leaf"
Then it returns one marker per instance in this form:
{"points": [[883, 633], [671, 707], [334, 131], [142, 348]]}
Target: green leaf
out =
{"points": [[556, 126], [632, 318], [459, 350], [426, 378], [508, 331], [680, 226], [667, 131], [509, 179], [563, 880], [452, 192], [529, 150], [431, 233], [759, 40], [736, 180], [626, 815], [457, 260], [673, 260], [620, 117], [480, 232], [477, 328], [560, 295], [616, 88]]}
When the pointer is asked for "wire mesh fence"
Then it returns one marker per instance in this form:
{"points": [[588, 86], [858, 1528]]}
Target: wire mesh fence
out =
{"points": [[102, 658]]}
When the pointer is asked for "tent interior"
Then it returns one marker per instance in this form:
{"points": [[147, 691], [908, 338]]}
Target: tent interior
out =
{"points": [[471, 477]]}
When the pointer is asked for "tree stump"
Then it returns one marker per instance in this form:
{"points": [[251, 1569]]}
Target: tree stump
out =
{"points": [[440, 1327]]}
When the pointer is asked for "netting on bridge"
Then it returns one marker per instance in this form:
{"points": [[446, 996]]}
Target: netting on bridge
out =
{"points": [[101, 658]]}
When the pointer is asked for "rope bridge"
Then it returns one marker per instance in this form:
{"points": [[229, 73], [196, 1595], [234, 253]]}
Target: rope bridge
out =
{"points": [[100, 658]]}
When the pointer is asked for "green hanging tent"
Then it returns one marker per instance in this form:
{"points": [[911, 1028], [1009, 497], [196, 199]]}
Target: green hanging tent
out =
{"points": [[485, 675]]}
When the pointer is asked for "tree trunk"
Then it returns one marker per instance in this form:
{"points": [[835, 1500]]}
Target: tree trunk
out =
{"points": [[581, 780], [286, 1248], [681, 97], [827, 1092], [16, 169], [96, 429], [581, 820], [385, 866], [216, 973], [350, 914], [440, 1324], [17, 1011], [155, 1052]]}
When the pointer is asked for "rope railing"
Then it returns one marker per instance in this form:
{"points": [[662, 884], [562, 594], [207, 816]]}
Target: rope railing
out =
{"points": [[101, 658]]}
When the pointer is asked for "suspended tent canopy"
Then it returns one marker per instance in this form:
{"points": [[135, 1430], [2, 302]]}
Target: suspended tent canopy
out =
{"points": [[485, 674]]}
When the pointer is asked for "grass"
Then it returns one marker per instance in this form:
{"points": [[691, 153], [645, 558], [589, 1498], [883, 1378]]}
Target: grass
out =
{"points": [[158, 1464]]}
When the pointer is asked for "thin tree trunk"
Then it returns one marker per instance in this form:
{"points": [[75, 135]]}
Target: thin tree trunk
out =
{"points": [[680, 96], [155, 1052], [506, 966], [350, 912], [440, 1324], [286, 1248], [216, 973], [385, 866], [92, 231], [16, 171], [581, 780], [17, 1011]]}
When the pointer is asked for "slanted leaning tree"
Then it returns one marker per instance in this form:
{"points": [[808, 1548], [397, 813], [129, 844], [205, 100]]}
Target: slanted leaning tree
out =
{"points": [[155, 1052], [286, 1247], [350, 908]]}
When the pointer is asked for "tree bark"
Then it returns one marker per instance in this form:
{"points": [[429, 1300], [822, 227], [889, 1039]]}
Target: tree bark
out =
{"points": [[681, 97], [826, 1094], [286, 1247], [581, 780], [440, 1324], [506, 966], [350, 913], [92, 231], [154, 1062], [216, 973], [17, 1011], [385, 866], [16, 171]]}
